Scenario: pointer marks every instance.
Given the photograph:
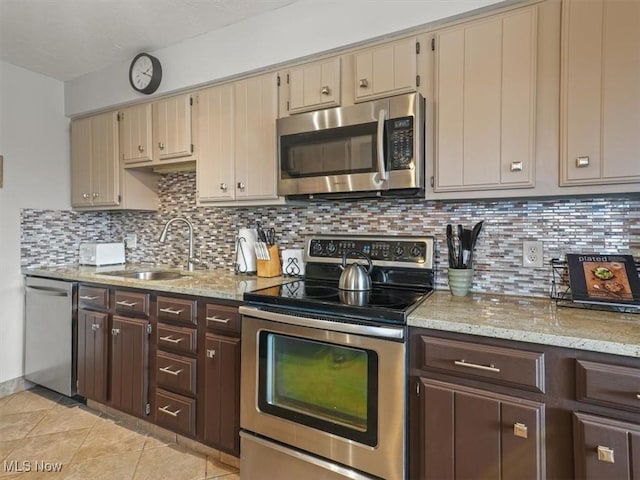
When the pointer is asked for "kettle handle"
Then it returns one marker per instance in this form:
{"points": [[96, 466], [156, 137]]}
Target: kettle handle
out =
{"points": [[362, 254]]}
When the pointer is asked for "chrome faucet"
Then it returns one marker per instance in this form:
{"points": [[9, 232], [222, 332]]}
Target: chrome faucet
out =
{"points": [[192, 261]]}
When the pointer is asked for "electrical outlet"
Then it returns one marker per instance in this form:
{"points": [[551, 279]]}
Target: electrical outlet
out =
{"points": [[131, 240], [532, 254]]}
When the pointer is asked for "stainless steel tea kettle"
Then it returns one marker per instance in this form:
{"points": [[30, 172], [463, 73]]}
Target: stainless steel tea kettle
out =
{"points": [[355, 276]]}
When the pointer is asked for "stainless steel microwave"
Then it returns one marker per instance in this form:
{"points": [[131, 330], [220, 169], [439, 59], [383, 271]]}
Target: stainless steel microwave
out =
{"points": [[368, 149]]}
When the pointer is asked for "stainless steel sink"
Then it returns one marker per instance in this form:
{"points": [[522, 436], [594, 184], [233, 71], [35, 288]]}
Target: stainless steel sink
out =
{"points": [[149, 275]]}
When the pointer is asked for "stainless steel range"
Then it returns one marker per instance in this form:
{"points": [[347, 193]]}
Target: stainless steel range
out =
{"points": [[323, 392]]}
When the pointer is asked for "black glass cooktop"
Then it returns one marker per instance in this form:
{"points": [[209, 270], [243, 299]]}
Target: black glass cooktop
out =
{"points": [[382, 303]]}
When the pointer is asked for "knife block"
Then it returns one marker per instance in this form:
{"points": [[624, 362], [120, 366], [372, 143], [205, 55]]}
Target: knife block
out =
{"points": [[271, 267]]}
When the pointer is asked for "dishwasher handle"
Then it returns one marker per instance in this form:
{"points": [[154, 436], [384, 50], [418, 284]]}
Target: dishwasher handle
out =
{"points": [[52, 292]]}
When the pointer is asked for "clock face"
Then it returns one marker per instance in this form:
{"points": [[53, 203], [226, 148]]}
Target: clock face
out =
{"points": [[145, 73]]}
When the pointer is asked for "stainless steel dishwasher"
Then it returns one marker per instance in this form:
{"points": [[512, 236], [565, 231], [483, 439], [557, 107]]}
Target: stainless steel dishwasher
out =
{"points": [[50, 331]]}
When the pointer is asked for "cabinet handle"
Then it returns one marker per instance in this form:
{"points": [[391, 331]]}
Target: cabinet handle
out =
{"points": [[638, 396], [86, 297], [218, 319], [166, 410], [169, 371], [126, 304], [170, 339], [141, 148], [582, 162], [488, 368], [520, 430], [161, 145], [85, 195], [325, 90], [364, 83], [516, 166], [241, 185], [223, 187], [115, 331], [173, 312], [605, 454], [211, 353], [95, 326]]}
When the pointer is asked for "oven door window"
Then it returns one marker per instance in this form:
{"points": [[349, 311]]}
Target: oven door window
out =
{"points": [[336, 151], [322, 385]]}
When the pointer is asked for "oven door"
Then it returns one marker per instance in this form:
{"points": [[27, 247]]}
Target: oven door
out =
{"points": [[338, 393]]}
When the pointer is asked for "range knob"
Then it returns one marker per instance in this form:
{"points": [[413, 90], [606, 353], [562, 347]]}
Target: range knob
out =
{"points": [[331, 248], [416, 251], [316, 248], [399, 251]]}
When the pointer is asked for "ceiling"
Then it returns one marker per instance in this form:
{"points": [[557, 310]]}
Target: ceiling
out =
{"points": [[65, 39]]}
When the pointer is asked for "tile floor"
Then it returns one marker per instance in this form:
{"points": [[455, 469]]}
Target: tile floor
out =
{"points": [[44, 435]]}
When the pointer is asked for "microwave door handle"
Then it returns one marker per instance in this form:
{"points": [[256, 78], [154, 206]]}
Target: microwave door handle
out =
{"points": [[382, 116]]}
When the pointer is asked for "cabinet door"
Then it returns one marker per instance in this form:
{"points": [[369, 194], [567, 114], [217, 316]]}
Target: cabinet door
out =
{"points": [[386, 69], [215, 165], [605, 448], [81, 163], [469, 433], [135, 134], [256, 109], [600, 106], [129, 365], [172, 128], [105, 166], [485, 83], [314, 85], [92, 354], [222, 392]]}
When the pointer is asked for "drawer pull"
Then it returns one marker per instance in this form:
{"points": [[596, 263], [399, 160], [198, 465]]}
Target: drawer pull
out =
{"points": [[127, 304], [520, 430], [170, 339], [516, 167], [169, 371], [172, 312], [582, 162], [115, 331], [488, 368], [218, 319], [95, 326], [325, 90], [605, 454], [166, 410], [364, 83], [211, 353], [638, 396], [87, 297]]}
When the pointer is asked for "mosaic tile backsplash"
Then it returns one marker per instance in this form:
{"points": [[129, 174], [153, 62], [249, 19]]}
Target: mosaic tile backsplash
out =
{"points": [[579, 225]]}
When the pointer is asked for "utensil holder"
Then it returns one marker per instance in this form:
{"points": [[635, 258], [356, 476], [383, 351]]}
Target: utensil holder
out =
{"points": [[271, 267], [460, 281]]}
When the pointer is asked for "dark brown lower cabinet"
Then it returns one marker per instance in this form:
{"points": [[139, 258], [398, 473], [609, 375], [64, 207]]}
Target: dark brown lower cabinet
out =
{"points": [[129, 364], [470, 433], [605, 448], [222, 392], [92, 354]]}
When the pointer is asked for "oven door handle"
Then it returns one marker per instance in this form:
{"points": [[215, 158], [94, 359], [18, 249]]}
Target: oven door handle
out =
{"points": [[394, 333], [382, 116]]}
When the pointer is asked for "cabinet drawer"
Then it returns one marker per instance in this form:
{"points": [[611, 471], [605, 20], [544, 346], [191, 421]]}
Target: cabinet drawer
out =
{"points": [[175, 412], [132, 302], [176, 373], [93, 297], [221, 317], [181, 339], [177, 310], [609, 385], [500, 365]]}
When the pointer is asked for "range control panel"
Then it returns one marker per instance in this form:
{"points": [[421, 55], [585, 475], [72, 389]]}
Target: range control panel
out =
{"points": [[410, 252]]}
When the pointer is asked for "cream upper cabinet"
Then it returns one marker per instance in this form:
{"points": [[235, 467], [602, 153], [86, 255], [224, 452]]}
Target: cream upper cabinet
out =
{"points": [[237, 137], [136, 141], [600, 93], [172, 130], [385, 70], [314, 85], [94, 161], [485, 103]]}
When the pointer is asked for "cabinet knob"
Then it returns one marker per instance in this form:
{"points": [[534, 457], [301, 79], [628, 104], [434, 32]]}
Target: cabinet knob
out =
{"points": [[85, 195], [96, 194], [141, 148], [115, 331], [516, 166], [161, 145], [241, 185], [582, 162], [605, 454], [325, 90], [223, 187], [364, 83], [211, 353], [95, 326], [520, 430]]}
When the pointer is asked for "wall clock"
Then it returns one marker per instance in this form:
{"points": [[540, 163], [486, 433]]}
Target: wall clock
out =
{"points": [[145, 73]]}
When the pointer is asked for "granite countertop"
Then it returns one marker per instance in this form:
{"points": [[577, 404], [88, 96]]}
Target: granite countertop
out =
{"points": [[534, 320], [218, 283]]}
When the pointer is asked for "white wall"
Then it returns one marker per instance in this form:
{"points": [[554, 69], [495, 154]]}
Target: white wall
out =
{"points": [[34, 140], [303, 28]]}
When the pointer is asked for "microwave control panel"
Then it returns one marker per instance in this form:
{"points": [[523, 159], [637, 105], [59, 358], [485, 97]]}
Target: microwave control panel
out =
{"points": [[400, 143]]}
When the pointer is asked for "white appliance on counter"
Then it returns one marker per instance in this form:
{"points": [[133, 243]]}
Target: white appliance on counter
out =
{"points": [[100, 253]]}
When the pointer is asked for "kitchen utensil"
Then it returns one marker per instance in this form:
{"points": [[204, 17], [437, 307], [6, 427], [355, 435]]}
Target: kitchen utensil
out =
{"points": [[355, 276], [450, 246], [459, 241], [262, 250], [474, 237]]}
